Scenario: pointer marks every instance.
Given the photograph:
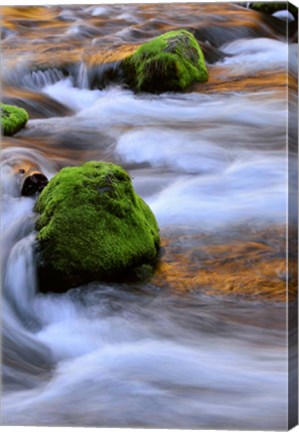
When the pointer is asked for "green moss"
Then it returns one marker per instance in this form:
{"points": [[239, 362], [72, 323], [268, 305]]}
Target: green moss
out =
{"points": [[92, 226], [170, 62], [12, 119], [272, 7]]}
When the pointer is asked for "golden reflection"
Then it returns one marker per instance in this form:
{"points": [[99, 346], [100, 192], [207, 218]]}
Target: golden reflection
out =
{"points": [[255, 268]]}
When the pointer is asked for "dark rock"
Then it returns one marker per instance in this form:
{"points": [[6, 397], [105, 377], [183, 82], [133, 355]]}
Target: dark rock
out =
{"points": [[33, 183]]}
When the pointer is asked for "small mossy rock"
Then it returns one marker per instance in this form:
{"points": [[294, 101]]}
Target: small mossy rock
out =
{"points": [[92, 226], [170, 62], [272, 7], [12, 119]]}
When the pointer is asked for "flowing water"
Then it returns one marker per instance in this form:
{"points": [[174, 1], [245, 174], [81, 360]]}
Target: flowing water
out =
{"points": [[203, 343]]}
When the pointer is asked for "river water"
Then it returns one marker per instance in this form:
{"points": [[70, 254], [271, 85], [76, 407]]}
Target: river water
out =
{"points": [[201, 344]]}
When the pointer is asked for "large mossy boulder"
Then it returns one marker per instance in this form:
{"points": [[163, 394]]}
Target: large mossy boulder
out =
{"points": [[170, 62], [12, 119], [93, 226]]}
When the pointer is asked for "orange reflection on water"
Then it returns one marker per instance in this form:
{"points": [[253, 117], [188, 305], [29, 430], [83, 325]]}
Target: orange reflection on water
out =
{"points": [[255, 268]]}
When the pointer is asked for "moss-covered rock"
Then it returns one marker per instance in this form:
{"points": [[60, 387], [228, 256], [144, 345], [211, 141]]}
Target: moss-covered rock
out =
{"points": [[12, 119], [170, 62], [92, 226], [272, 7]]}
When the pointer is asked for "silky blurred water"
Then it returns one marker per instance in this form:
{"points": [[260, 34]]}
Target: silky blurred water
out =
{"points": [[138, 355]]}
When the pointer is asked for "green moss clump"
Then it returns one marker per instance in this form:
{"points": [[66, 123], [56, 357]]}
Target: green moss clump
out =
{"points": [[92, 226], [272, 7], [12, 119], [170, 62]]}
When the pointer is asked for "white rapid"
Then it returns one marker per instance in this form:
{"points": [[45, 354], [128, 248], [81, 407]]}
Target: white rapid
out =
{"points": [[210, 158], [194, 361], [136, 355]]}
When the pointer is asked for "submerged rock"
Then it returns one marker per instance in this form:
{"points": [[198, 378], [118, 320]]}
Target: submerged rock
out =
{"points": [[92, 226], [12, 119], [170, 62]]}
